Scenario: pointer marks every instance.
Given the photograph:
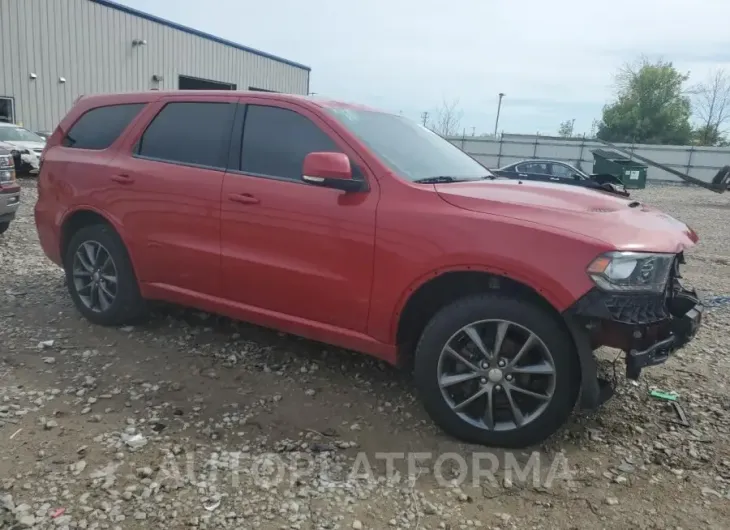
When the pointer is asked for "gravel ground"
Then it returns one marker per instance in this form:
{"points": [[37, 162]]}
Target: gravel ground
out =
{"points": [[193, 421]]}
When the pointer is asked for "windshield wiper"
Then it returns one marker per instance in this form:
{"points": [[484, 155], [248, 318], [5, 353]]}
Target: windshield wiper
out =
{"points": [[436, 180]]}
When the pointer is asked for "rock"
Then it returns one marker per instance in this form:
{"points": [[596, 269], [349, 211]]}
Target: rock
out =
{"points": [[6, 502], [26, 521], [50, 424], [78, 467], [134, 441], [140, 516], [49, 360], [45, 344], [357, 525], [709, 491], [611, 501], [625, 467], [144, 472]]}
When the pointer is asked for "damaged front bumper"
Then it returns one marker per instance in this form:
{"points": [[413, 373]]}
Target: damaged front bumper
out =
{"points": [[26, 162], [648, 327]]}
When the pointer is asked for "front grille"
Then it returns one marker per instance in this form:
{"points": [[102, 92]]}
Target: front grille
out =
{"points": [[625, 308], [641, 309]]}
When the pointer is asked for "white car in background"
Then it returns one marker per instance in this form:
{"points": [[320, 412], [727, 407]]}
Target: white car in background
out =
{"points": [[25, 146]]}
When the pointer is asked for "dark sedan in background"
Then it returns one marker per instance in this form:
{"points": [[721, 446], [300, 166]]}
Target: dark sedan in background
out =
{"points": [[561, 173]]}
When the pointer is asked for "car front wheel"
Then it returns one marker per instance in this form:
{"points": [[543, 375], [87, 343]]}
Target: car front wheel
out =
{"points": [[497, 371]]}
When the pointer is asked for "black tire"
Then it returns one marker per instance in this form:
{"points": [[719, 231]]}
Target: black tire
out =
{"points": [[452, 318], [4, 227], [128, 305]]}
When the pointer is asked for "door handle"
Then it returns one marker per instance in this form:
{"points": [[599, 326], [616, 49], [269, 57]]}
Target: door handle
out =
{"points": [[243, 198], [123, 179]]}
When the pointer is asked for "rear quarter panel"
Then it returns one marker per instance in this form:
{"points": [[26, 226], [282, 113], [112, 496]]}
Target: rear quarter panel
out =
{"points": [[72, 179]]}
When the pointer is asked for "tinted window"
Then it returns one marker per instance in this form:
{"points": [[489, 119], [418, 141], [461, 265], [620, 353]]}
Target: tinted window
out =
{"points": [[275, 142], [559, 170], [534, 167], [100, 127], [190, 133]]}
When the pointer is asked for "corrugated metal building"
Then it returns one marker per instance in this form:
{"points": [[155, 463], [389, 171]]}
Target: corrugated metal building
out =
{"points": [[52, 51]]}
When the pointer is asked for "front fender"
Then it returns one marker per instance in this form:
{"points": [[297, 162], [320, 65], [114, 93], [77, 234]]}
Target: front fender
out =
{"points": [[559, 297]]}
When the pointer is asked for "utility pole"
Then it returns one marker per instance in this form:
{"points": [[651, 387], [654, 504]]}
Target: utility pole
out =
{"points": [[499, 108], [424, 118], [473, 131]]}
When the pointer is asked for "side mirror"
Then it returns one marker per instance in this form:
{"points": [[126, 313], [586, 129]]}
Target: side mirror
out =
{"points": [[330, 170]]}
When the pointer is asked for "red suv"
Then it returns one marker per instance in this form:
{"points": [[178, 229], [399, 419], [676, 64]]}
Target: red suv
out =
{"points": [[364, 230]]}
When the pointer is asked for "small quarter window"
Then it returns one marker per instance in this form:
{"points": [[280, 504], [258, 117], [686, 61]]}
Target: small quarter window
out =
{"points": [[100, 127]]}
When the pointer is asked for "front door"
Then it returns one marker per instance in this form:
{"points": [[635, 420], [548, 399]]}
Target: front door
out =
{"points": [[287, 246], [167, 193]]}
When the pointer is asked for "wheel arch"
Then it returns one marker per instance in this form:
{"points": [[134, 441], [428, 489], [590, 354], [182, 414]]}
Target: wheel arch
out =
{"points": [[441, 287], [83, 216]]}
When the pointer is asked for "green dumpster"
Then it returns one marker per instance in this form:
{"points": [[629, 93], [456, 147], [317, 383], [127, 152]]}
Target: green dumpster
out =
{"points": [[631, 172]]}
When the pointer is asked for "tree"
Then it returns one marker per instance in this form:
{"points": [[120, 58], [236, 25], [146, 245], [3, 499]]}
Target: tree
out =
{"points": [[566, 128], [651, 106], [448, 119], [712, 108]]}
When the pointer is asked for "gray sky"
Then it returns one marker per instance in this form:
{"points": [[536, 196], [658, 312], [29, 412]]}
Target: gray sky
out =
{"points": [[554, 59]]}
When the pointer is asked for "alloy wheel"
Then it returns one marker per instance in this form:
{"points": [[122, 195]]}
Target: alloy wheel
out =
{"points": [[95, 276], [496, 375]]}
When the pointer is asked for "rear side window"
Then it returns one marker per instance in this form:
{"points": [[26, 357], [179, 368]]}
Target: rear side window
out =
{"points": [[275, 142], [190, 133], [100, 127]]}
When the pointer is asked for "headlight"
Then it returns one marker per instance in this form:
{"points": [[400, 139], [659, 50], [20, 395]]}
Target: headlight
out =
{"points": [[631, 271]]}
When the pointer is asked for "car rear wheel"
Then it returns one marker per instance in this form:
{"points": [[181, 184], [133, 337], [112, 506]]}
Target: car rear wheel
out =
{"points": [[497, 371], [4, 227], [100, 277]]}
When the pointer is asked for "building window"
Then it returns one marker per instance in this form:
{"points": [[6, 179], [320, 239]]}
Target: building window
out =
{"points": [[254, 89], [193, 83]]}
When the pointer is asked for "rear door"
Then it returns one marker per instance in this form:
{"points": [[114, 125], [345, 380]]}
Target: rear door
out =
{"points": [[167, 188]]}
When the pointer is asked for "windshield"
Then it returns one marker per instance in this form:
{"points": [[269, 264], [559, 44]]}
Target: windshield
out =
{"points": [[408, 148], [18, 134]]}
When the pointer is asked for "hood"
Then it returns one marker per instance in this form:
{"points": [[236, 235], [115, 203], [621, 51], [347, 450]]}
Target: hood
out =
{"points": [[25, 145], [621, 223]]}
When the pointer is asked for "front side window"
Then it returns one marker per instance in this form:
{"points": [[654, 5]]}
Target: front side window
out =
{"points": [[540, 168], [409, 149], [190, 133], [561, 171], [100, 127], [276, 140]]}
